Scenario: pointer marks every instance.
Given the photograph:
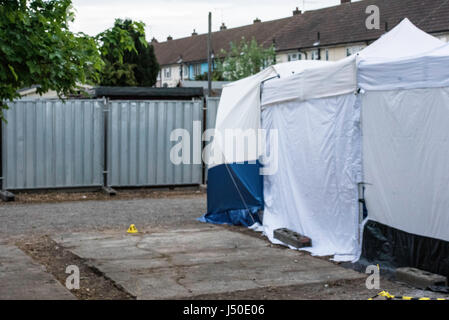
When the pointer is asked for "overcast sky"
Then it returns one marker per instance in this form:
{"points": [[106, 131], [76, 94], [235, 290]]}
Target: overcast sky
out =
{"points": [[178, 18]]}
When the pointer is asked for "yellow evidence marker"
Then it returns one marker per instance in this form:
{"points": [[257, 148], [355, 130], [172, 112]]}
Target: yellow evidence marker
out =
{"points": [[132, 229]]}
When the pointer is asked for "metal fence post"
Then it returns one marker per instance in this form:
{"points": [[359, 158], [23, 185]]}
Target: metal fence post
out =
{"points": [[106, 189], [203, 143], [4, 195]]}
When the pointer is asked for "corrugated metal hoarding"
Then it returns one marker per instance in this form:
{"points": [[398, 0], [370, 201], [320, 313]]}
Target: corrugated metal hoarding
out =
{"points": [[139, 142], [51, 144], [212, 107]]}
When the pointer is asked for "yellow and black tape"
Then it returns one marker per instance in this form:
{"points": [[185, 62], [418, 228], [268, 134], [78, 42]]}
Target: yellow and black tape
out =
{"points": [[392, 297]]}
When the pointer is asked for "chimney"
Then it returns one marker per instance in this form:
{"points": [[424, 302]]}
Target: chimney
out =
{"points": [[297, 11], [345, 1], [154, 40], [169, 38], [223, 26], [257, 20], [194, 33]]}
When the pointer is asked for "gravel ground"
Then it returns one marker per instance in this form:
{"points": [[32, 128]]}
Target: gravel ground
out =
{"points": [[51, 218], [53, 196]]}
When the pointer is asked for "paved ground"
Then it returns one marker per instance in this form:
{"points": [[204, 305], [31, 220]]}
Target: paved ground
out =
{"points": [[179, 263], [22, 278], [25, 219], [199, 261]]}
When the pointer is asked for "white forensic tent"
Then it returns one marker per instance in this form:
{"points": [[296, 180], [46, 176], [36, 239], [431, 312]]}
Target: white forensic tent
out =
{"points": [[317, 116], [405, 117], [324, 114], [314, 190], [405, 121]]}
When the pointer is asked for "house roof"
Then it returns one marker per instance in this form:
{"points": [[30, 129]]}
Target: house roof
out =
{"points": [[194, 48], [345, 23], [340, 24]]}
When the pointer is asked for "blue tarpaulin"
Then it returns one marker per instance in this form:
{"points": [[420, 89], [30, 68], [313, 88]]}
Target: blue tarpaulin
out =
{"points": [[234, 194]]}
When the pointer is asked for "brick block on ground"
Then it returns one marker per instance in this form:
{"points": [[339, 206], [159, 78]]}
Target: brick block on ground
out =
{"points": [[109, 191], [419, 278], [292, 238], [7, 196]]}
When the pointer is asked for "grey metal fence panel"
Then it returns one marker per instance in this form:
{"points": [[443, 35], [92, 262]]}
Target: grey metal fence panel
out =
{"points": [[211, 115], [52, 144], [212, 107], [139, 142]]}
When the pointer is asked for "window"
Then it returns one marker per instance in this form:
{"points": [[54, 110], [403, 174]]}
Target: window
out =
{"points": [[294, 56], [314, 55], [353, 50], [167, 73], [327, 54], [196, 70]]}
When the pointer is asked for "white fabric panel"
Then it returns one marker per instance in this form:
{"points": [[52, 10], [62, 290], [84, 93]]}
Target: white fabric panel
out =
{"points": [[422, 71], [331, 79], [239, 108], [287, 69], [403, 59], [403, 40], [314, 191], [441, 51], [406, 159]]}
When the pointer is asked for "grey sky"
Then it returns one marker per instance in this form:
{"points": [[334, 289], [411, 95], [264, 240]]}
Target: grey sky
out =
{"points": [[178, 18]]}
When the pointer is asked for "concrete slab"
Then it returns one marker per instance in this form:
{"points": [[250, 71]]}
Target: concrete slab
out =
{"points": [[419, 278], [181, 263], [23, 279]]}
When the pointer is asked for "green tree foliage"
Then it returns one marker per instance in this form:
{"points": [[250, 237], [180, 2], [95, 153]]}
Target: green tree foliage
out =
{"points": [[244, 59], [37, 48], [129, 59], [216, 75]]}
